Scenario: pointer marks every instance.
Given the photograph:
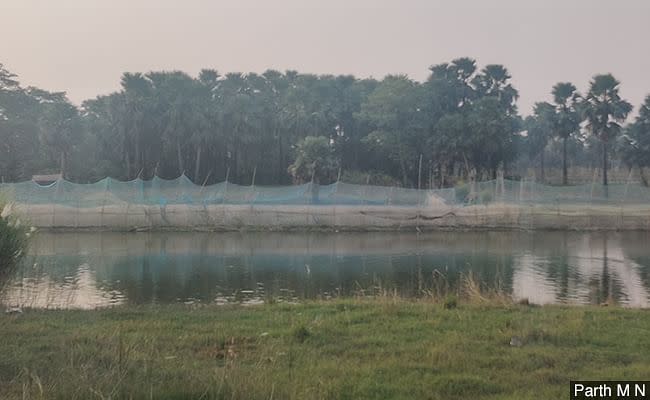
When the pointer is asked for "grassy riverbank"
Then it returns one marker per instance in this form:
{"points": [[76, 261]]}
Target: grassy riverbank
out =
{"points": [[342, 349]]}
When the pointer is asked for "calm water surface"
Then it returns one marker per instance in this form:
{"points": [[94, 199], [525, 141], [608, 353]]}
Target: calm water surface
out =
{"points": [[87, 270]]}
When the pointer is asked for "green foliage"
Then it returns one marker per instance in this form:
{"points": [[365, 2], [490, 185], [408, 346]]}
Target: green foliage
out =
{"points": [[567, 110], [635, 143], [462, 118], [394, 115], [451, 302], [19, 133], [300, 334], [540, 128], [472, 114], [605, 110], [314, 158], [13, 240], [567, 118], [491, 144]]}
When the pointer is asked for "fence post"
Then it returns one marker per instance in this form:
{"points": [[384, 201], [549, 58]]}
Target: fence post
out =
{"points": [[76, 219], [223, 196], [593, 183], [252, 200], [205, 207], [314, 196], [225, 188], [56, 199], [627, 184], [365, 190], [101, 218], [204, 182], [472, 185], [420, 173], [503, 186]]}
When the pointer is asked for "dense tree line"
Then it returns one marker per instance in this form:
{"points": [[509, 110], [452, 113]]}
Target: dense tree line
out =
{"points": [[279, 128]]}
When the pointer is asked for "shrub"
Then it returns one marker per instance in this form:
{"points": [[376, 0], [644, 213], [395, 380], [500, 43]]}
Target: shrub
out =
{"points": [[451, 302], [13, 240], [300, 334]]}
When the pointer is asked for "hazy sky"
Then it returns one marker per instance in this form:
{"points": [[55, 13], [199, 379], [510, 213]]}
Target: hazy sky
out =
{"points": [[83, 46]]}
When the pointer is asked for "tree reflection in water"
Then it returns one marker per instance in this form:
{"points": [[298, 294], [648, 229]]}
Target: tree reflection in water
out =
{"points": [[90, 270]]}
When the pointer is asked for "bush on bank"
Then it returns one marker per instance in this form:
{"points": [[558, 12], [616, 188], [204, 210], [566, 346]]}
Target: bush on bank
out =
{"points": [[14, 237]]}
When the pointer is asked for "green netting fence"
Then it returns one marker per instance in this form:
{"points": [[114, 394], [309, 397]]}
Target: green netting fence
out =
{"points": [[182, 191]]}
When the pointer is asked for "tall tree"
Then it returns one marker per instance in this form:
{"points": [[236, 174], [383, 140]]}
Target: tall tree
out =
{"points": [[314, 159], [458, 98], [19, 114], [137, 121], [605, 111], [540, 128], [393, 110], [61, 128], [449, 94], [494, 81], [491, 138], [635, 143], [567, 118], [462, 118]]}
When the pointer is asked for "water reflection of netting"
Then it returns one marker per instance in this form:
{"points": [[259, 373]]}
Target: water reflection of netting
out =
{"points": [[181, 191]]}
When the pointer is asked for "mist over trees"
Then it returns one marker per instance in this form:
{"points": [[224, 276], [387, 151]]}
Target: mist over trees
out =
{"points": [[289, 127]]}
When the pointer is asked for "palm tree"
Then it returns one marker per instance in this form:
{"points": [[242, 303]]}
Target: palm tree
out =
{"points": [[206, 117], [175, 95], [494, 81], [604, 111], [136, 89], [567, 118]]}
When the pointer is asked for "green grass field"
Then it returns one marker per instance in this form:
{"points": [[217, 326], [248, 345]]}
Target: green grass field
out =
{"points": [[354, 349]]}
